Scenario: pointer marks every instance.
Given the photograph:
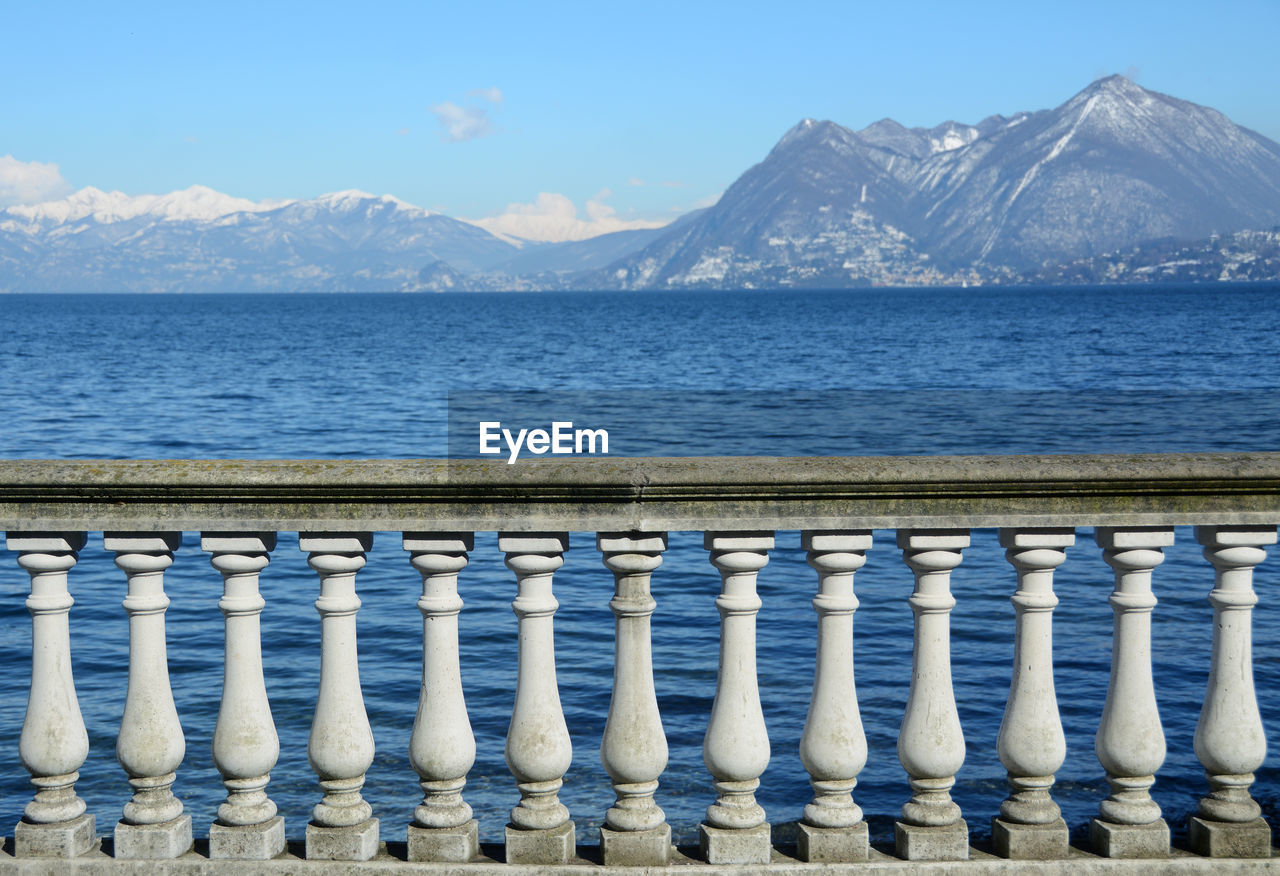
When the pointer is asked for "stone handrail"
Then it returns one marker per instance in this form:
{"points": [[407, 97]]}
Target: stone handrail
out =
{"points": [[640, 494], [1132, 501]]}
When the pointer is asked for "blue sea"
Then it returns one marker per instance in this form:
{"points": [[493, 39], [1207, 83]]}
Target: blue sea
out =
{"points": [[727, 373]]}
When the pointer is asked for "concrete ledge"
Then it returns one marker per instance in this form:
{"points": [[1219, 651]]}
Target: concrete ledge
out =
{"points": [[636, 848], [456, 845], [390, 859], [68, 839], [1040, 842], [253, 842], [169, 839], [640, 494], [554, 846], [1218, 839], [752, 845], [946, 843], [356, 843], [1130, 840], [822, 845]]}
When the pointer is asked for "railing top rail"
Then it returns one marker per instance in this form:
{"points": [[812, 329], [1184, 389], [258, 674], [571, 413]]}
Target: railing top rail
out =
{"points": [[612, 493]]}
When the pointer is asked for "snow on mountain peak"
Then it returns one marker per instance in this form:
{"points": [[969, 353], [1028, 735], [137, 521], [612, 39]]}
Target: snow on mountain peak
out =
{"points": [[1117, 89], [351, 199], [196, 202]]}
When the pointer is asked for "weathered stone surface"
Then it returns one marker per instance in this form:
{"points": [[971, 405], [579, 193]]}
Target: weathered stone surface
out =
{"points": [[249, 842], [168, 839], [636, 848], [1030, 842], [1220, 839], [358, 843], [67, 839], [947, 843], [554, 846], [640, 494], [1130, 840], [752, 845], [830, 845], [453, 845]]}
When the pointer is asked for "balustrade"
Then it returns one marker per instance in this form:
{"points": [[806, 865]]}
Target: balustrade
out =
{"points": [[245, 744], [1131, 529], [340, 747], [150, 744]]}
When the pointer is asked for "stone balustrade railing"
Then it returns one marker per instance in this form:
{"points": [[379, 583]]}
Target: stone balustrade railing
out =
{"points": [[1036, 503]]}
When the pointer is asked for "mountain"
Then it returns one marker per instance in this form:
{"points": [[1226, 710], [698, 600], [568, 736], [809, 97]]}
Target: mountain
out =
{"points": [[1114, 166], [584, 255], [1059, 194], [198, 240]]}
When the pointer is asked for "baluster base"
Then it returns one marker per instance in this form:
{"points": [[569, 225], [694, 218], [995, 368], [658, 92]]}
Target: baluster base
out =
{"points": [[356, 843], [557, 845], [636, 848], [831, 845], [450, 845], [948, 842], [66, 839], [247, 842], [1222, 839], [168, 839], [1129, 840], [748, 845], [1030, 842]]}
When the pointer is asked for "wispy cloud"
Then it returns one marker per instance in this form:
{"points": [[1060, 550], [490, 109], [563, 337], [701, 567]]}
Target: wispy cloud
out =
{"points": [[635, 181], [459, 124], [554, 217], [491, 94], [29, 182]]}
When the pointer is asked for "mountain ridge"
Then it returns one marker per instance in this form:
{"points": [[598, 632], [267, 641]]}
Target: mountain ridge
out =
{"points": [[1009, 197]]}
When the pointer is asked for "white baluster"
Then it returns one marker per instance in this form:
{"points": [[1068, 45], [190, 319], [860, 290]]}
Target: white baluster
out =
{"points": [[1031, 743], [833, 747], [538, 747], [930, 743], [634, 747], [1229, 740], [340, 747], [736, 746], [442, 748], [245, 745], [150, 746], [1130, 741], [54, 743]]}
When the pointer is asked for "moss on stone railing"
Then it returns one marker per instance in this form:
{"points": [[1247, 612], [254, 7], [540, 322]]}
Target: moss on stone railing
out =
{"points": [[642, 494]]}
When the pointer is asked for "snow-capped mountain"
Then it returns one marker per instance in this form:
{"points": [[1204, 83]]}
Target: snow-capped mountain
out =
{"points": [[201, 240], [1114, 166], [196, 202]]}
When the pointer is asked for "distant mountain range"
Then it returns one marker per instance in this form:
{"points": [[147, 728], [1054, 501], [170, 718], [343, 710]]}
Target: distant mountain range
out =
{"points": [[1058, 195]]}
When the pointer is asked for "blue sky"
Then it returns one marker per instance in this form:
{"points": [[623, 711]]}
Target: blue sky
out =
{"points": [[645, 110]]}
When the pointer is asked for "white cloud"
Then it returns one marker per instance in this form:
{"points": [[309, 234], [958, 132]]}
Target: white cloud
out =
{"points": [[635, 181], [553, 218], [491, 94], [462, 123], [29, 182]]}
